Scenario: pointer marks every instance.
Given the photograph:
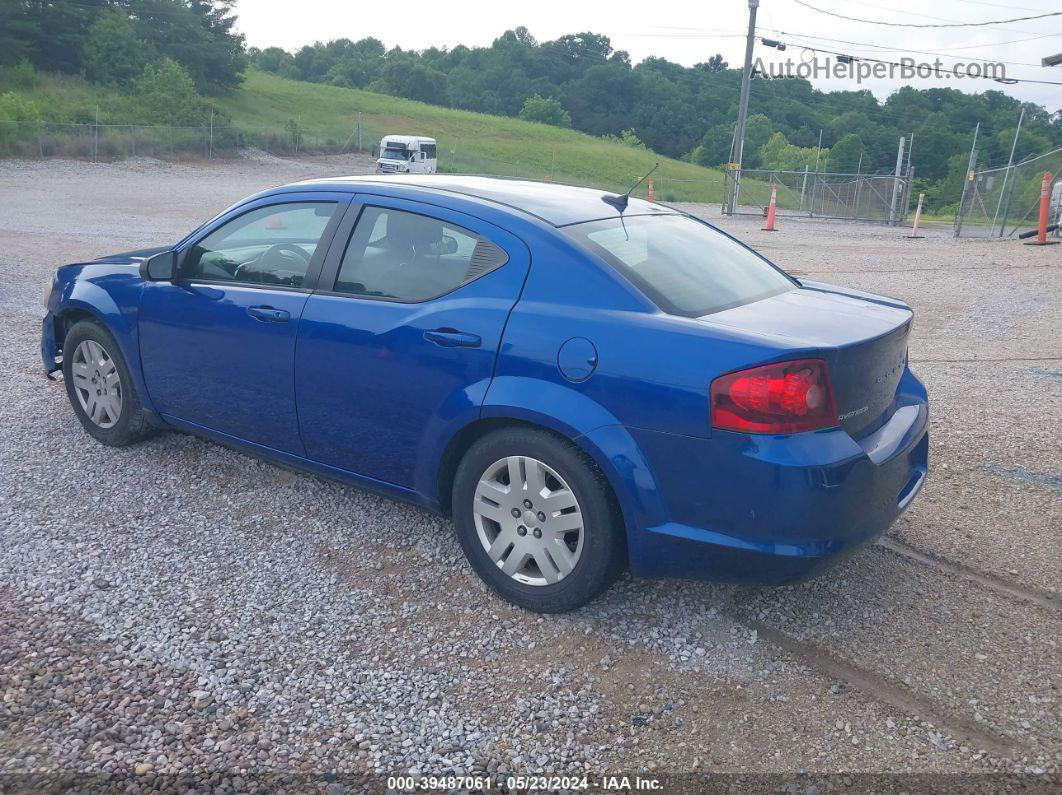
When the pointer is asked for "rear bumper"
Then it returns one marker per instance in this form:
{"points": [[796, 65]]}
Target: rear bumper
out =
{"points": [[774, 510]]}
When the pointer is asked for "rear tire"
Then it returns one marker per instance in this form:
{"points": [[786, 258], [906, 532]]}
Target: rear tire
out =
{"points": [[537, 520], [100, 386]]}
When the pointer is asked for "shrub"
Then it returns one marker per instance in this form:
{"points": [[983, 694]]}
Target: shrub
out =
{"points": [[170, 96], [628, 138], [17, 108], [545, 110]]}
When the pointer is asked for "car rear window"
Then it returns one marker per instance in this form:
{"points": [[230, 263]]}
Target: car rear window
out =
{"points": [[684, 266]]}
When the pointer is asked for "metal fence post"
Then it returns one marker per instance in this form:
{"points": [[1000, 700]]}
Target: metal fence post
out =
{"points": [[908, 184], [96, 134], [966, 182], [210, 138], [1006, 176], [896, 182]]}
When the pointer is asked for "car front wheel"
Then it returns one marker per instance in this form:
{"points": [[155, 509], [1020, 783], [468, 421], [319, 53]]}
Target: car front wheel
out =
{"points": [[100, 387], [536, 520]]}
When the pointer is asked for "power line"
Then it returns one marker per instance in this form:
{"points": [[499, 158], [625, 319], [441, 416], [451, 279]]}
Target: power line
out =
{"points": [[917, 14], [912, 25], [1007, 81], [882, 47], [938, 51], [1000, 5]]}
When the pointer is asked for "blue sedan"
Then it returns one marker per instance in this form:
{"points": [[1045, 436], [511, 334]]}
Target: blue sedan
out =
{"points": [[584, 382]]}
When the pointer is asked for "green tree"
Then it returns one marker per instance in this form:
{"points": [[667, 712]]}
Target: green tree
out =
{"points": [[407, 77], [169, 93], [779, 154], [848, 154], [545, 110], [197, 34], [758, 130], [934, 143], [714, 149], [113, 53], [273, 59]]}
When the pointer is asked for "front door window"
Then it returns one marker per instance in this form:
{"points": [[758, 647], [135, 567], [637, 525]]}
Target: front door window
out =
{"points": [[270, 245]]}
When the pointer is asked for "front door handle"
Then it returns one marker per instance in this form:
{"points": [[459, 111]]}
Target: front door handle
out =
{"points": [[452, 338], [268, 314]]}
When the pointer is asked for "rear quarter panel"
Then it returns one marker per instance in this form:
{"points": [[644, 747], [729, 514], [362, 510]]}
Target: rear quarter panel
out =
{"points": [[653, 370]]}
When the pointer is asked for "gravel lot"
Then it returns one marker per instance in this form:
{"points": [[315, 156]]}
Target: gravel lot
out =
{"points": [[177, 607]]}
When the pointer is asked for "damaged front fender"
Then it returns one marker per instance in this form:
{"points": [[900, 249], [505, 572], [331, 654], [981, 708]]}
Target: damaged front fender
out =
{"points": [[49, 348]]}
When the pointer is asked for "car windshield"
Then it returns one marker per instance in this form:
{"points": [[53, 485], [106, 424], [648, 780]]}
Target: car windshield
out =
{"points": [[396, 154], [685, 267]]}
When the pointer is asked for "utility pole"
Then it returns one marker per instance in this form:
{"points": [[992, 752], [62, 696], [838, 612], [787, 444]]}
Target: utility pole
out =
{"points": [[896, 182], [743, 111], [966, 182], [1006, 176]]}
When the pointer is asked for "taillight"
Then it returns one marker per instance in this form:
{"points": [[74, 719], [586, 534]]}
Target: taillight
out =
{"points": [[785, 397]]}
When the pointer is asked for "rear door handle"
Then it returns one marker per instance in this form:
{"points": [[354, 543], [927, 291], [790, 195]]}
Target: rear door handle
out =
{"points": [[268, 314], [452, 338]]}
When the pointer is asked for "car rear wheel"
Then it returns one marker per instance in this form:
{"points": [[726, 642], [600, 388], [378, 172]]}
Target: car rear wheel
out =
{"points": [[536, 520], [100, 387]]}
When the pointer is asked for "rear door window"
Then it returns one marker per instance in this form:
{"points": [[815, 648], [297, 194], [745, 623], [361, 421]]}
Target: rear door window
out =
{"points": [[404, 256]]}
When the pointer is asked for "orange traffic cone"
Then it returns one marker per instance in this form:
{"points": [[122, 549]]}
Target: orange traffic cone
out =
{"points": [[1045, 199], [770, 210], [652, 195]]}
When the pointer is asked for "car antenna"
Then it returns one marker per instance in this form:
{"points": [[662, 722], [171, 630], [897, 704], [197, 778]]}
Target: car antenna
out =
{"points": [[619, 200]]}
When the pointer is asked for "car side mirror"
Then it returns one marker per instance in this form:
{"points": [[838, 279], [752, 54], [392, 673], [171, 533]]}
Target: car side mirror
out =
{"points": [[159, 267]]}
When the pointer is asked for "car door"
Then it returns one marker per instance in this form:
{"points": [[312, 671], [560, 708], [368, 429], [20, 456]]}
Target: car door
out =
{"points": [[217, 343], [401, 336]]}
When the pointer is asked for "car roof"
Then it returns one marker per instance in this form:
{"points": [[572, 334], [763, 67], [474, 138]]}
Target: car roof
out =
{"points": [[556, 204]]}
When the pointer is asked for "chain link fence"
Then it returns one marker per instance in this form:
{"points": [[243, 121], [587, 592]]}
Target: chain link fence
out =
{"points": [[1003, 202], [881, 198], [104, 142]]}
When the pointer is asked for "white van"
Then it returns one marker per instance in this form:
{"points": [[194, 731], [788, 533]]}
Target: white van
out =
{"points": [[407, 154]]}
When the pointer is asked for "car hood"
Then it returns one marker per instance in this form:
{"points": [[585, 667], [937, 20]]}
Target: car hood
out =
{"points": [[132, 257]]}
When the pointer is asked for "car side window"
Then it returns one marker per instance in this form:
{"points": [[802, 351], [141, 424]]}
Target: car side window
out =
{"points": [[410, 257], [270, 245]]}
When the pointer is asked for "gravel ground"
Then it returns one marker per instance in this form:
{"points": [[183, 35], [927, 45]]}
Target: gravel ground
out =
{"points": [[177, 607]]}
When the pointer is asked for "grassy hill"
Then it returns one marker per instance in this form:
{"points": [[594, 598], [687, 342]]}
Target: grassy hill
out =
{"points": [[279, 115]]}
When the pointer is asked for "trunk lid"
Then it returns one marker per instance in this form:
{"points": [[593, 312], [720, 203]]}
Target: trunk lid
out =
{"points": [[862, 337]]}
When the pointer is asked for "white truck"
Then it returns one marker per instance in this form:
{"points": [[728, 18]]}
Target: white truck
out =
{"points": [[407, 154]]}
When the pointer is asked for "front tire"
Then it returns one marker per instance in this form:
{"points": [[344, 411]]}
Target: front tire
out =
{"points": [[100, 387], [537, 520]]}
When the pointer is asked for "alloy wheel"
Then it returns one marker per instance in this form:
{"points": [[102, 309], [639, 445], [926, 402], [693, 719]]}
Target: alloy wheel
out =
{"points": [[97, 384]]}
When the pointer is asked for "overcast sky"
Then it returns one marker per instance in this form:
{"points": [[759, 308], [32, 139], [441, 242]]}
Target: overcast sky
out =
{"points": [[688, 32]]}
